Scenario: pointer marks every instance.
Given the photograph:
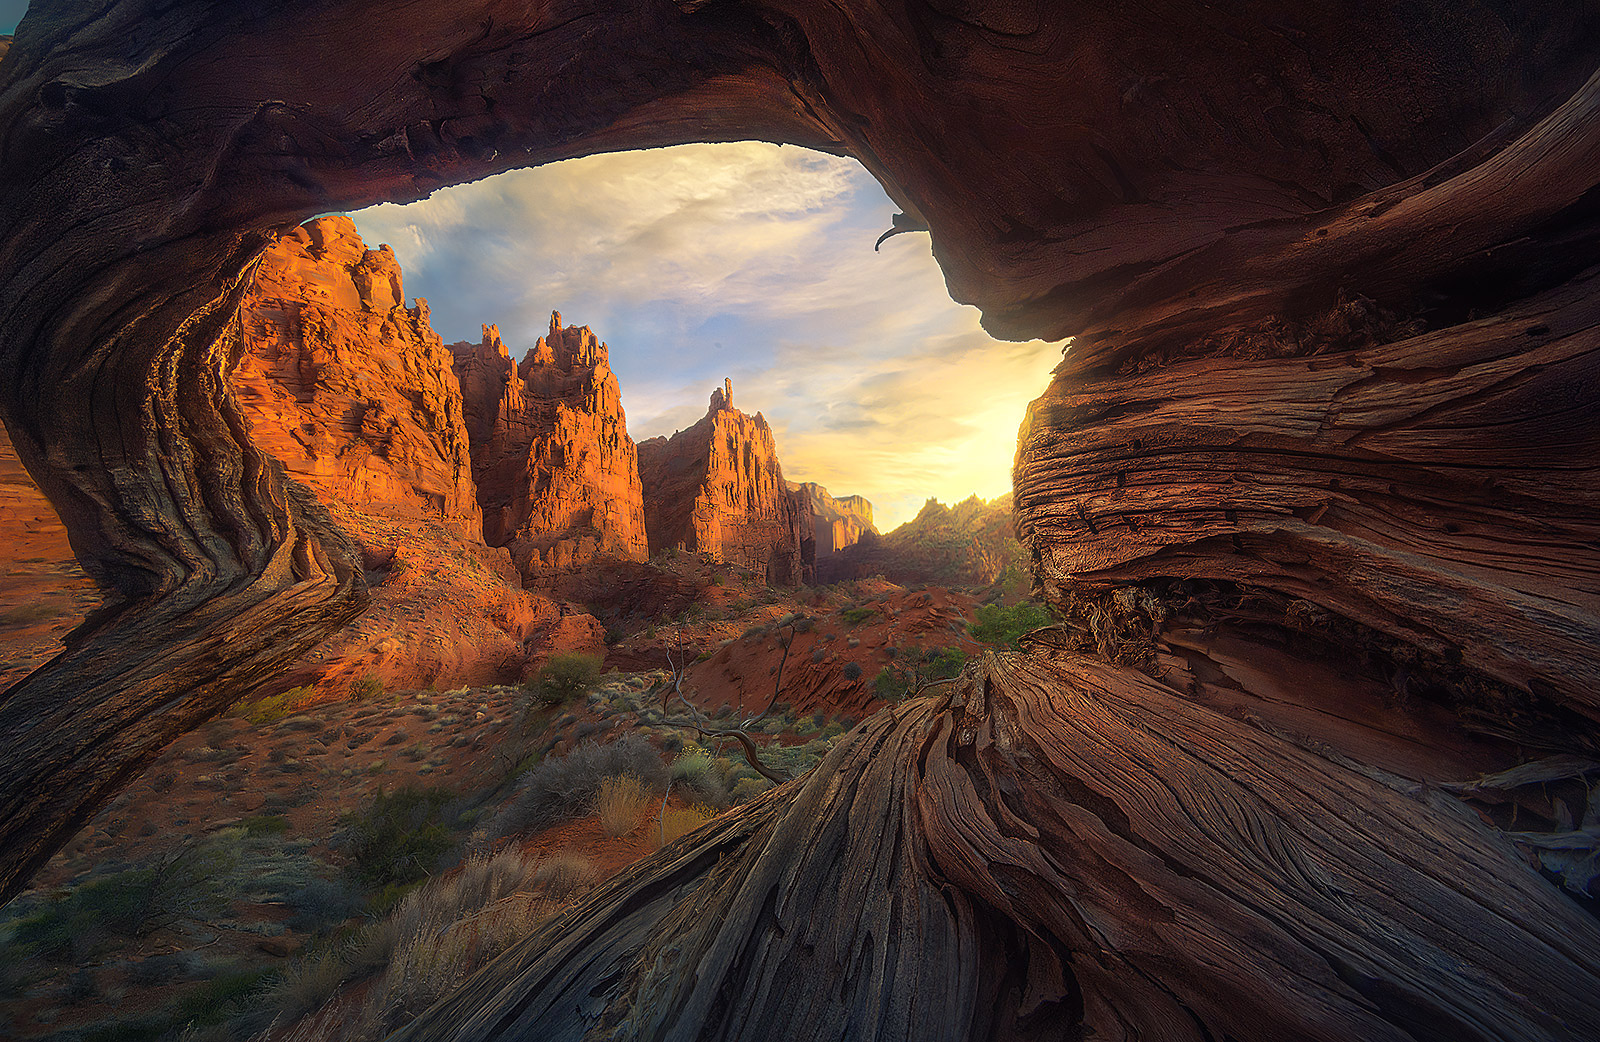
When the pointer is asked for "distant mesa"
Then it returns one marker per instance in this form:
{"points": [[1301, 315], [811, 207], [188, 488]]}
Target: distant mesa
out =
{"points": [[717, 488], [557, 474], [968, 545]]}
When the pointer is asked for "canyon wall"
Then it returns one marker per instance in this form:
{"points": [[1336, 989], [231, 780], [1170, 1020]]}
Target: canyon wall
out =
{"points": [[969, 544], [350, 389], [835, 523], [557, 474], [717, 488]]}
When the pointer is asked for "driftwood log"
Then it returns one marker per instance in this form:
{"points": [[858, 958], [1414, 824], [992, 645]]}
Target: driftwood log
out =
{"points": [[1313, 490]]}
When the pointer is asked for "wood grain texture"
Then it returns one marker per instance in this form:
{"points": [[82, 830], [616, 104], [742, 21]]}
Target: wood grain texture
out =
{"points": [[1060, 848]]}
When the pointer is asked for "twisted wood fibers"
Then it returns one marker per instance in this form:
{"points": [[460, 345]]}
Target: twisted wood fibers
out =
{"points": [[1060, 848]]}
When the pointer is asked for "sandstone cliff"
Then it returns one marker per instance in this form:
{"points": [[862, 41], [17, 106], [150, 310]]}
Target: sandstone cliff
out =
{"points": [[557, 474], [835, 523], [717, 488], [349, 388], [969, 544]]}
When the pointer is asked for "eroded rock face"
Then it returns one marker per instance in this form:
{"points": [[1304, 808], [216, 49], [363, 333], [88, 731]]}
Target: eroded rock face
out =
{"points": [[717, 488], [835, 523], [350, 389], [558, 476]]}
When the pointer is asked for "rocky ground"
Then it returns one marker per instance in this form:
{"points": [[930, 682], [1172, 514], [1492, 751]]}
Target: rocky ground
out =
{"points": [[231, 884]]}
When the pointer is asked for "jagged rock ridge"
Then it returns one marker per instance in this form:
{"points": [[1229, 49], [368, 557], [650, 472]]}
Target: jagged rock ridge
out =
{"points": [[350, 389], [717, 488], [835, 523], [558, 476]]}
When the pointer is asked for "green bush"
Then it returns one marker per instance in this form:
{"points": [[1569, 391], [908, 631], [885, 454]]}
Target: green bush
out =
{"points": [[915, 670], [857, 615], [400, 838], [852, 671], [568, 675], [1001, 626], [194, 883]]}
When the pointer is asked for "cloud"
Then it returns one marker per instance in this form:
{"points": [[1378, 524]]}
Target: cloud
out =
{"points": [[743, 260]]}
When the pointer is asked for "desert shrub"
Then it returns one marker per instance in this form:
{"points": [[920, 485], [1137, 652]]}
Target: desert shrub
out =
{"points": [[852, 671], [273, 708], [366, 689], [193, 883], [568, 675], [620, 803], [749, 788], [399, 838], [677, 822], [559, 787], [857, 614], [307, 984], [265, 825], [816, 655], [999, 625], [944, 663], [321, 903], [696, 773], [220, 999], [915, 670]]}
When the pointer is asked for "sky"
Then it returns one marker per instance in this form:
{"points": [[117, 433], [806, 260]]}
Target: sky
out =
{"points": [[750, 261], [10, 15]]}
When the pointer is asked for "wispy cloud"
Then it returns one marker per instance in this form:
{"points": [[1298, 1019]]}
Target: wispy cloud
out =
{"points": [[746, 260]]}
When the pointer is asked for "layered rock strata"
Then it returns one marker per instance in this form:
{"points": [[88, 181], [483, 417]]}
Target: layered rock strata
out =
{"points": [[350, 389], [717, 488], [557, 474], [835, 523]]}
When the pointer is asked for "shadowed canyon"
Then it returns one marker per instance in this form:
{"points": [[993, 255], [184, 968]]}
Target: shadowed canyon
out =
{"points": [[398, 677]]}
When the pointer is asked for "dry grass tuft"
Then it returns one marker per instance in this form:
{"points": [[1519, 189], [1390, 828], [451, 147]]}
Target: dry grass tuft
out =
{"points": [[621, 802], [563, 874], [680, 821], [449, 928]]}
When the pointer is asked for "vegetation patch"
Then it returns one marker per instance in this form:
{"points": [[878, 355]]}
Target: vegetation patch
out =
{"points": [[915, 669], [273, 708], [560, 787], [1001, 626], [565, 677], [399, 838], [621, 802]]}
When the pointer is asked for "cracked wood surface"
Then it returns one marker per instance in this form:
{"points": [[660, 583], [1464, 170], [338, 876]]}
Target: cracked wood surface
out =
{"points": [[1048, 849]]}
